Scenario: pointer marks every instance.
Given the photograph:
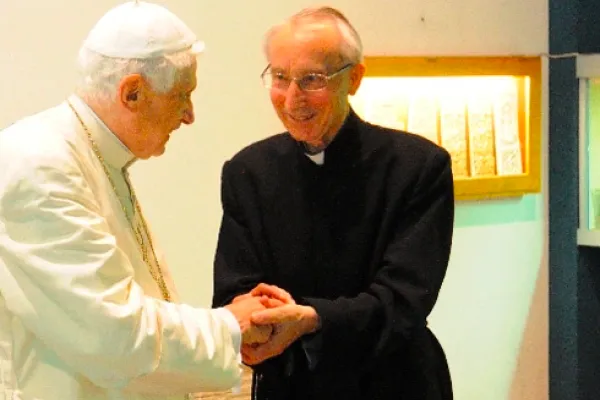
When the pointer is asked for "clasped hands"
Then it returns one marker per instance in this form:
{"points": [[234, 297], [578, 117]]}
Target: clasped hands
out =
{"points": [[270, 321]]}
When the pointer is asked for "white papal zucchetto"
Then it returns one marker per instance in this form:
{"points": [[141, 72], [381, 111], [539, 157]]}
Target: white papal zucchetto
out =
{"points": [[139, 29]]}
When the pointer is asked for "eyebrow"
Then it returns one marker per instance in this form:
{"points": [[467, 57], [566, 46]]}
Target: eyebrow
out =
{"points": [[302, 72]]}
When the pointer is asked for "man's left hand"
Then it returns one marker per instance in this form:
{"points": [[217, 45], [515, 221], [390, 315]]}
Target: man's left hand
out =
{"points": [[289, 322]]}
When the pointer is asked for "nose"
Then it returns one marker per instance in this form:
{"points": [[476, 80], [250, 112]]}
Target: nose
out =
{"points": [[293, 94], [188, 115]]}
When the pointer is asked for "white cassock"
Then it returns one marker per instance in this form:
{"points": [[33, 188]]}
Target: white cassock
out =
{"points": [[81, 316]]}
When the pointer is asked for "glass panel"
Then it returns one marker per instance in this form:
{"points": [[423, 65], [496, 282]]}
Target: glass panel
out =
{"points": [[481, 120], [592, 114]]}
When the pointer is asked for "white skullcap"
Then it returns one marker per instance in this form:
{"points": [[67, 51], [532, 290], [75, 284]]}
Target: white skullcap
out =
{"points": [[138, 29]]}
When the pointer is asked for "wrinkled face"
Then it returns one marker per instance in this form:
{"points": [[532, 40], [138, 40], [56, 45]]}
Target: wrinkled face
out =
{"points": [[313, 117], [160, 114]]}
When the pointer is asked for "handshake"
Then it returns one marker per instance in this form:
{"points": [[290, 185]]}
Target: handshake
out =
{"points": [[270, 321]]}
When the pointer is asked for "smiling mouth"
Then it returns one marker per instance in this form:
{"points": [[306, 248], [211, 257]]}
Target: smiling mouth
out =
{"points": [[301, 117]]}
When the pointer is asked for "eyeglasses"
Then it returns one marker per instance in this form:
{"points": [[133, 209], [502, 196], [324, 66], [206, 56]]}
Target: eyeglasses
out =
{"points": [[309, 82]]}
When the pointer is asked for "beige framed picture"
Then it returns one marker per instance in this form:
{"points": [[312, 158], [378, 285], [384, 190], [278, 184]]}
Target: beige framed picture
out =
{"points": [[484, 110]]}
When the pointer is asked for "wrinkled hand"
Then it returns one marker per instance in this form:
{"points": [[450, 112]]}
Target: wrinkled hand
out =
{"points": [[261, 297], [243, 309], [271, 292], [289, 322]]}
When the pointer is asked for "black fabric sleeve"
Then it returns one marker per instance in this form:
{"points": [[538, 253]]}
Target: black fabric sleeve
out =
{"points": [[237, 268]]}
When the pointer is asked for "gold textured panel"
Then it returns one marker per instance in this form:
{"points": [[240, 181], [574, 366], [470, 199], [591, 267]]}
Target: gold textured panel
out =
{"points": [[485, 111]]}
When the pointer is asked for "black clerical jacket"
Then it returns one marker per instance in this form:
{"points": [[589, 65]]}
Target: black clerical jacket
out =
{"points": [[364, 239]]}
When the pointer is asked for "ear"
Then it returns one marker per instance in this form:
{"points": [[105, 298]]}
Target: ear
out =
{"points": [[356, 74], [131, 91]]}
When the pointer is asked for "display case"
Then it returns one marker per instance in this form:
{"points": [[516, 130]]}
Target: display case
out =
{"points": [[484, 110], [588, 74]]}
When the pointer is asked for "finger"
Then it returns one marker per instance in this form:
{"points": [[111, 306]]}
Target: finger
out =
{"points": [[254, 303], [276, 315], [241, 297], [250, 360], [279, 341], [267, 350], [263, 289], [250, 355], [257, 334], [263, 333], [272, 291], [269, 302]]}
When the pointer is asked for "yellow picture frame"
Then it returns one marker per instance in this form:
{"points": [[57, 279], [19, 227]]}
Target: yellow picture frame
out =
{"points": [[526, 70]]}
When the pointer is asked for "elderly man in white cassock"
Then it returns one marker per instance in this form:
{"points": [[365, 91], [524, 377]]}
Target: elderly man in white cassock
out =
{"points": [[87, 307]]}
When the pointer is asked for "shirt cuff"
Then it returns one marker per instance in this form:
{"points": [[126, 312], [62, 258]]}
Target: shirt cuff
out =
{"points": [[234, 327], [236, 335]]}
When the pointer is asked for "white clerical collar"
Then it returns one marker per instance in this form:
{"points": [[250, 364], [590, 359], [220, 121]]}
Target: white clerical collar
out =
{"points": [[113, 151], [318, 158]]}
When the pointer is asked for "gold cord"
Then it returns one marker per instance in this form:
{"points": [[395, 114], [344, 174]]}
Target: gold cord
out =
{"points": [[158, 277]]}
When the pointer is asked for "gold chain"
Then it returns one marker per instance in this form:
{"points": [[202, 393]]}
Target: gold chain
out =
{"points": [[158, 278]]}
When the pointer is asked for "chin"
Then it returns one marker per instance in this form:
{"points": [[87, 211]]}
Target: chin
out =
{"points": [[153, 153], [160, 151], [144, 156], [301, 137], [316, 142]]}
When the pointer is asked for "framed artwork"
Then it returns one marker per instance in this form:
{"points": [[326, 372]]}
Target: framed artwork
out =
{"points": [[486, 111]]}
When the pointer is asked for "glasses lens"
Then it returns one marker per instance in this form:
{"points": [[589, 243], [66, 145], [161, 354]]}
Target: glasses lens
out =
{"points": [[312, 82], [275, 80], [267, 79]]}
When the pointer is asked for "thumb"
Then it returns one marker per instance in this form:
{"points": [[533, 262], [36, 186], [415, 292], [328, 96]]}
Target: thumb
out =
{"points": [[241, 297], [269, 316]]}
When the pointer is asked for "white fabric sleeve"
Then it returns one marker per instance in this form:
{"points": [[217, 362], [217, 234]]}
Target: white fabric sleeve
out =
{"points": [[234, 327], [64, 277]]}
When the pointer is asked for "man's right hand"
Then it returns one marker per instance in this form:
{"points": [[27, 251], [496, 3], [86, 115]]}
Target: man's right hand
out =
{"points": [[242, 309]]}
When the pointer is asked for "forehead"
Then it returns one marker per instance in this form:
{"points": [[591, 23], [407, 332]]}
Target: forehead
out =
{"points": [[308, 46]]}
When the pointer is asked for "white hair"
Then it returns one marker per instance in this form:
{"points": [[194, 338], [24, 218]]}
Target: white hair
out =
{"points": [[351, 49], [100, 75]]}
